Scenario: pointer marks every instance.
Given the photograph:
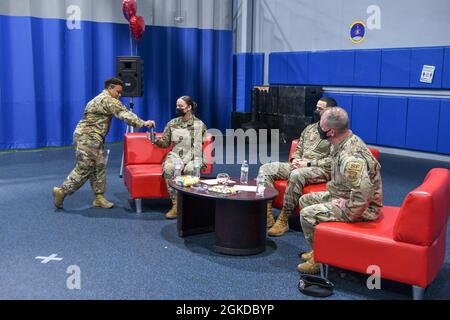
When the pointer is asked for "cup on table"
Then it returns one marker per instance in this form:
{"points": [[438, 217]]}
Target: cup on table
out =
{"points": [[222, 179]]}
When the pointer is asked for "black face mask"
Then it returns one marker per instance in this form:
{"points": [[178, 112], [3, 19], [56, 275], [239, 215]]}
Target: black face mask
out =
{"points": [[180, 112], [322, 134], [316, 116]]}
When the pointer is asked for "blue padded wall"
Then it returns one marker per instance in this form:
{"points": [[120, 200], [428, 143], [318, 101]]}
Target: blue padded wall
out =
{"points": [[278, 68], [365, 117], [388, 68], [367, 68], [341, 66], [249, 72], [392, 112], [446, 69], [297, 67], [395, 67], [318, 67], [444, 128], [422, 124], [426, 56]]}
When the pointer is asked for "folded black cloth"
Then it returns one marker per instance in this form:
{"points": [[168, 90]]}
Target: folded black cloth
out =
{"points": [[315, 286]]}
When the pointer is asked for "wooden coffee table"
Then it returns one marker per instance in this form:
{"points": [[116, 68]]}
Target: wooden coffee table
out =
{"points": [[238, 220]]}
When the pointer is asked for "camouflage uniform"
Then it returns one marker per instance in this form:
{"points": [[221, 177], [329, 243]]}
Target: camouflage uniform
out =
{"points": [[89, 138], [355, 177], [310, 148], [187, 138]]}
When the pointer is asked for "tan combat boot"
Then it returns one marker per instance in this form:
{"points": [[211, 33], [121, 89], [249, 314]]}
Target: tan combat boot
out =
{"points": [[100, 201], [309, 266], [307, 255], [270, 219], [172, 213], [58, 197], [281, 226]]}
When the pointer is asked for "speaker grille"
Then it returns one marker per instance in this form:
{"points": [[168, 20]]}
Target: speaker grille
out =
{"points": [[129, 84], [129, 70]]}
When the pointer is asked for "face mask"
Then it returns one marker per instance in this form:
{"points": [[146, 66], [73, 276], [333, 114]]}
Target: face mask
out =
{"points": [[180, 112], [322, 134], [316, 116]]}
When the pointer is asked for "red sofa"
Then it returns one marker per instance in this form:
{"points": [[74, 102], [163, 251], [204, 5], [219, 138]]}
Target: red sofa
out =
{"points": [[407, 243], [143, 167], [280, 185]]}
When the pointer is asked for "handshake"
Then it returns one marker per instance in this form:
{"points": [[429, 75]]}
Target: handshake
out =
{"points": [[150, 124]]}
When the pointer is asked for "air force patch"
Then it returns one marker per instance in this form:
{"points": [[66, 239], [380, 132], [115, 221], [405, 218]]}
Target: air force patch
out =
{"points": [[357, 31], [353, 172]]}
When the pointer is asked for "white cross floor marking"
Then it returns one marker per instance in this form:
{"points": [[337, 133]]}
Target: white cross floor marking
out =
{"points": [[49, 258]]}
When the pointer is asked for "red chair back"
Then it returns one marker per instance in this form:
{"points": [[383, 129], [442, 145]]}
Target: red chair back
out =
{"points": [[424, 212], [293, 147], [375, 153], [139, 150], [208, 147]]}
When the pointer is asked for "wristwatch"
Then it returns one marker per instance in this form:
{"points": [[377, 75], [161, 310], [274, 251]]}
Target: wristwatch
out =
{"points": [[308, 164]]}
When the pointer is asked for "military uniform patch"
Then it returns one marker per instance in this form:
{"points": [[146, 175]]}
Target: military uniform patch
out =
{"points": [[353, 172]]}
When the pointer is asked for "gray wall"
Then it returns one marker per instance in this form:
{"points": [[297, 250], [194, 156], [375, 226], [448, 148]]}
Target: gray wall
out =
{"points": [[205, 14], [308, 25], [312, 25]]}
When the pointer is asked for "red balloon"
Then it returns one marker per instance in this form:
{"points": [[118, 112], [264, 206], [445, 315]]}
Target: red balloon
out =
{"points": [[137, 27], [129, 8]]}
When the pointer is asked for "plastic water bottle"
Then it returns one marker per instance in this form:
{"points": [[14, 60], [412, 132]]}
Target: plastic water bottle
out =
{"points": [[106, 156], [177, 171], [244, 172], [260, 184], [197, 165], [151, 135]]}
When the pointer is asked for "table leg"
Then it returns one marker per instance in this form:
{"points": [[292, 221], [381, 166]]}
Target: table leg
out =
{"points": [[240, 227], [194, 215]]}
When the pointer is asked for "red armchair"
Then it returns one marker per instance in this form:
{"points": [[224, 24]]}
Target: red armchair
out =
{"points": [[280, 185], [407, 243], [143, 167]]}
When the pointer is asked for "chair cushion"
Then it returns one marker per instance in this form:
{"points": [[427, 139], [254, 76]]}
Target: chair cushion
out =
{"points": [[145, 181], [356, 246], [318, 187], [280, 185]]}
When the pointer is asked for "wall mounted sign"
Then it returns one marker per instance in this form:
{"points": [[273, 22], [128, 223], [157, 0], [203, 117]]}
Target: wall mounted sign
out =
{"points": [[427, 74], [357, 31]]}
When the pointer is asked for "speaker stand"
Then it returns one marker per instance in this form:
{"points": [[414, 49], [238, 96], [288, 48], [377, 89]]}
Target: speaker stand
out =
{"points": [[127, 130]]}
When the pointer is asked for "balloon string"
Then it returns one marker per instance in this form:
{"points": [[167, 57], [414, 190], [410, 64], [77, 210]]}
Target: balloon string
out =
{"points": [[131, 44]]}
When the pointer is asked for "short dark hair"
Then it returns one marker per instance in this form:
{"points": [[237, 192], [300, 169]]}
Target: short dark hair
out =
{"points": [[189, 101], [113, 82], [329, 101]]}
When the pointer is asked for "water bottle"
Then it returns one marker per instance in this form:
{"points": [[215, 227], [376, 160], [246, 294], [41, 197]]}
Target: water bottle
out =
{"points": [[178, 167], [151, 135], [197, 166], [106, 156], [260, 184], [244, 172]]}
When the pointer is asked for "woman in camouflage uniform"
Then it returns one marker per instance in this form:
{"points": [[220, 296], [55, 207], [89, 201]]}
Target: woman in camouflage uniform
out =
{"points": [[89, 139], [187, 134]]}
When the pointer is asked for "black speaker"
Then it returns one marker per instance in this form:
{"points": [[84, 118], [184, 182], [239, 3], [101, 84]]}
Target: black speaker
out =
{"points": [[129, 70]]}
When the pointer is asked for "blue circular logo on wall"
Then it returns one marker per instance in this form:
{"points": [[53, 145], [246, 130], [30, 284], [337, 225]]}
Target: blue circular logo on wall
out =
{"points": [[357, 31]]}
